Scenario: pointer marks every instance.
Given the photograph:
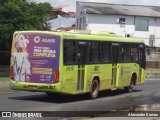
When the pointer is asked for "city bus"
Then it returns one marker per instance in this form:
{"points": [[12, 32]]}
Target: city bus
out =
{"points": [[75, 62]]}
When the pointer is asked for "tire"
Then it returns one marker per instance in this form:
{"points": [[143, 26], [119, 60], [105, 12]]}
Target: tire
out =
{"points": [[129, 88], [94, 89]]}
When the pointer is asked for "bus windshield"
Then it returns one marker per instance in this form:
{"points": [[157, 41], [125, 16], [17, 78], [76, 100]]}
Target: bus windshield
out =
{"points": [[35, 57]]}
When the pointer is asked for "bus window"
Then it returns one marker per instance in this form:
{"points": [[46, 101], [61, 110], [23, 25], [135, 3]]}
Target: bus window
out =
{"points": [[116, 53], [106, 52], [94, 52], [69, 52], [134, 53], [142, 56], [126, 52]]}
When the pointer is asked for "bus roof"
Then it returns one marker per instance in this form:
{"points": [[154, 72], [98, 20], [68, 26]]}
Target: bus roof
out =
{"points": [[88, 35]]}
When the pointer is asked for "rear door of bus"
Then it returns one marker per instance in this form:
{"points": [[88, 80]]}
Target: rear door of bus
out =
{"points": [[82, 58], [115, 59]]}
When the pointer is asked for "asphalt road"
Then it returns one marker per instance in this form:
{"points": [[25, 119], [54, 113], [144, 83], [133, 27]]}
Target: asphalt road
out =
{"points": [[149, 93]]}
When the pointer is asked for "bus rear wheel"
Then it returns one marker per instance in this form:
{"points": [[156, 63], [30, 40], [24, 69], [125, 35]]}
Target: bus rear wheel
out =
{"points": [[129, 88], [94, 89]]}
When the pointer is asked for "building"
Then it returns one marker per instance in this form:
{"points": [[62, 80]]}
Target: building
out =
{"points": [[64, 11], [62, 23], [70, 10], [62, 18], [125, 20]]}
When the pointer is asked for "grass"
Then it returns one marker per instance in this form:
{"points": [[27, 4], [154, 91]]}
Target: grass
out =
{"points": [[4, 79]]}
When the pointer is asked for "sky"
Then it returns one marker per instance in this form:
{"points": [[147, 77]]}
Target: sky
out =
{"points": [[73, 2], [58, 2]]}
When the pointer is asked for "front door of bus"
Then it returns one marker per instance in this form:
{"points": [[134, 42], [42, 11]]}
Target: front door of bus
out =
{"points": [[81, 54], [115, 58], [141, 62]]}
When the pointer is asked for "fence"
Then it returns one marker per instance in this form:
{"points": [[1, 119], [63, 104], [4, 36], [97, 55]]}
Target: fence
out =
{"points": [[4, 71], [5, 58], [153, 65], [4, 63], [153, 74]]}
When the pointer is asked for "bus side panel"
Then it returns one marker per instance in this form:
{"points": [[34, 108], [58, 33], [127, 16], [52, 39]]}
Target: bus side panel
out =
{"points": [[105, 76], [102, 71], [69, 76], [125, 73], [141, 76], [89, 75], [126, 70]]}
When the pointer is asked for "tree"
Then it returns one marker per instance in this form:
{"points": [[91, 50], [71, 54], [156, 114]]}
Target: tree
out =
{"points": [[17, 15]]}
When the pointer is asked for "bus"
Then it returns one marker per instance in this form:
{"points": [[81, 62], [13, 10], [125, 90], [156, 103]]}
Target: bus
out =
{"points": [[75, 62]]}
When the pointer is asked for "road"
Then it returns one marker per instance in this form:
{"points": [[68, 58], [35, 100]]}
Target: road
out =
{"points": [[149, 93]]}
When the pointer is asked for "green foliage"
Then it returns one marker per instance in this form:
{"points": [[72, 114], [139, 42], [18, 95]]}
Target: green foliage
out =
{"points": [[17, 15], [4, 79]]}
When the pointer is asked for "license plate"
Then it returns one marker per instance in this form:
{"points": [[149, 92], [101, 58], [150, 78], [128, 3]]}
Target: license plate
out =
{"points": [[32, 87]]}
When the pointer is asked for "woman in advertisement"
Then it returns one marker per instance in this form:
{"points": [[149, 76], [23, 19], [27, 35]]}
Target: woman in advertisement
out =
{"points": [[21, 64]]}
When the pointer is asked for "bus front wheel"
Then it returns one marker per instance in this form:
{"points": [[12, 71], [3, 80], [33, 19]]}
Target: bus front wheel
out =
{"points": [[94, 89]]}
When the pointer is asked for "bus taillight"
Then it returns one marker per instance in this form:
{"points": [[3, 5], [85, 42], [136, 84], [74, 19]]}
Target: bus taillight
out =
{"points": [[11, 73], [56, 76]]}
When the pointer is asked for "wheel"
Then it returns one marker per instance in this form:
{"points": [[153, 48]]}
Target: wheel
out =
{"points": [[94, 89], [129, 88]]}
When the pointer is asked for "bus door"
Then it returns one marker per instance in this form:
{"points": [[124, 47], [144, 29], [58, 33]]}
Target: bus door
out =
{"points": [[142, 62], [115, 58], [81, 54]]}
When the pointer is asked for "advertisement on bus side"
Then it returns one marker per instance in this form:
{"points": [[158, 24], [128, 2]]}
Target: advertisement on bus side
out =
{"points": [[34, 57]]}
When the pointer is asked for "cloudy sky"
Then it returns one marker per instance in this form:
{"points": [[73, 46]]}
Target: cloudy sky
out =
{"points": [[73, 2], [58, 2]]}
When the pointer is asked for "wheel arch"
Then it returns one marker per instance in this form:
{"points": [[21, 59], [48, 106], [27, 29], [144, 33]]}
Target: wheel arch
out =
{"points": [[95, 86], [134, 78], [97, 78]]}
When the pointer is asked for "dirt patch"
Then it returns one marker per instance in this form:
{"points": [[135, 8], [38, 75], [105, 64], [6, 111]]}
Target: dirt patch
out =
{"points": [[5, 88]]}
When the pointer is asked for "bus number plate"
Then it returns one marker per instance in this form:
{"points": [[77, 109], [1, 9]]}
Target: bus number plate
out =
{"points": [[32, 87]]}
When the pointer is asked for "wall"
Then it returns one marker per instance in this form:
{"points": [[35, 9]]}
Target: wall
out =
{"points": [[157, 32], [109, 23], [81, 17]]}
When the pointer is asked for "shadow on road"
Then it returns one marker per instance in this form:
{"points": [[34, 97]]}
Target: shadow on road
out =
{"points": [[69, 98]]}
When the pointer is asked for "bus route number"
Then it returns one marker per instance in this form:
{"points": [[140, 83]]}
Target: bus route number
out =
{"points": [[96, 68], [69, 68]]}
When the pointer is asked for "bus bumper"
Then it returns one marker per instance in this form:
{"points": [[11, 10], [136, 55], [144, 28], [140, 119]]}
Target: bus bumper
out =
{"points": [[37, 87]]}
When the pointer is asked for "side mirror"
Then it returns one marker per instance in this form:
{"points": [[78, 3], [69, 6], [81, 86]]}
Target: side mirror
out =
{"points": [[147, 49]]}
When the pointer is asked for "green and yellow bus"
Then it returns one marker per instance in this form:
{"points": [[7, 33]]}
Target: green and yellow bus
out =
{"points": [[75, 62]]}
